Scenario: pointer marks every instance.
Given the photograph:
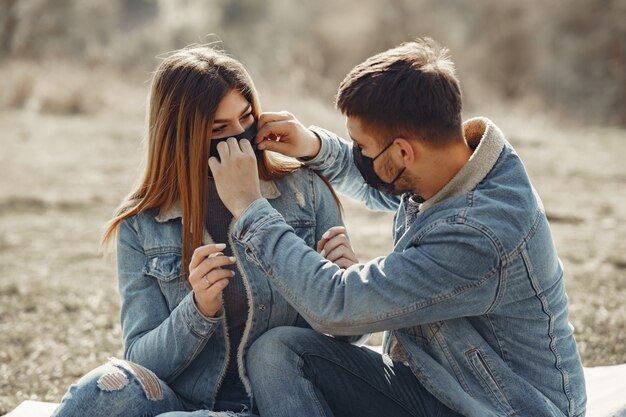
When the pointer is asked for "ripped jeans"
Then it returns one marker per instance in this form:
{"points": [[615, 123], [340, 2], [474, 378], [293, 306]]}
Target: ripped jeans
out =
{"points": [[121, 388]]}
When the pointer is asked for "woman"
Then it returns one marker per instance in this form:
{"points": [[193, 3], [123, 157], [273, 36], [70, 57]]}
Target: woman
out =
{"points": [[192, 303]]}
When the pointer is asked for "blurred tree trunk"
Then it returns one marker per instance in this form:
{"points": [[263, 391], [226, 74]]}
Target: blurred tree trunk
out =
{"points": [[8, 25]]}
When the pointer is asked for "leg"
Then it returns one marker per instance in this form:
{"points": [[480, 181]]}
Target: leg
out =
{"points": [[118, 388], [297, 371]]}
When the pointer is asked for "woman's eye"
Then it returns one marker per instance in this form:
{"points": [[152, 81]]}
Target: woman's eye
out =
{"points": [[246, 116], [218, 129]]}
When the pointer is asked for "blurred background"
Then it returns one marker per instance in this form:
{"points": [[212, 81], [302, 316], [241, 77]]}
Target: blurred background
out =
{"points": [[74, 77]]}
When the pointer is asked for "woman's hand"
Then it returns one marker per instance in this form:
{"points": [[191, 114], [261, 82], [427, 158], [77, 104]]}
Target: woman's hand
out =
{"points": [[236, 175], [335, 247], [282, 132], [208, 279]]}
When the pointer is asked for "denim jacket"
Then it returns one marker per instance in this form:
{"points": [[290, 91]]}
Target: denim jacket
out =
{"points": [[472, 295], [162, 328]]}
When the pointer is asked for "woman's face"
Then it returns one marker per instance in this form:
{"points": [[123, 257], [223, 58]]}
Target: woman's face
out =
{"points": [[233, 116]]}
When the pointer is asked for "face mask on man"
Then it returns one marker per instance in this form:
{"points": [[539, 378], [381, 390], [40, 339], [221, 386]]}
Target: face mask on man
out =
{"points": [[249, 134], [365, 165]]}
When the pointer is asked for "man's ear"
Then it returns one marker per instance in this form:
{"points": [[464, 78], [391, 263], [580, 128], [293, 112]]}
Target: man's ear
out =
{"points": [[408, 152]]}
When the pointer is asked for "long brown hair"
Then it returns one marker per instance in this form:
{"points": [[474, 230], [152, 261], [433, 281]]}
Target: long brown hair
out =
{"points": [[186, 90]]}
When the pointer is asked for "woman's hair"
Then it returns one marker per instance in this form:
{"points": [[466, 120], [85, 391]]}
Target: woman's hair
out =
{"points": [[187, 88]]}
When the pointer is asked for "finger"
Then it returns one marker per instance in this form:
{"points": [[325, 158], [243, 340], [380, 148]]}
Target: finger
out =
{"points": [[233, 147], [223, 149], [214, 164], [271, 130], [335, 230], [211, 278], [208, 265], [338, 253], [214, 290], [266, 117], [246, 147], [345, 263], [334, 242], [202, 252]]}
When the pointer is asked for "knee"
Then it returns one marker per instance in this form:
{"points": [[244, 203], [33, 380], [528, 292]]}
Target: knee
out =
{"points": [[113, 384], [277, 348]]}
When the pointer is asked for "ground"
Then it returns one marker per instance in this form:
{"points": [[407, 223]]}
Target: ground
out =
{"points": [[62, 176]]}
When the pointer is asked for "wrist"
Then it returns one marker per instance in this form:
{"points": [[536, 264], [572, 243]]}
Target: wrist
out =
{"points": [[238, 211], [315, 146], [206, 313]]}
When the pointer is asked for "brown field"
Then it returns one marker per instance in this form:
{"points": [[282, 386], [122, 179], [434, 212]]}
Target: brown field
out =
{"points": [[61, 176]]}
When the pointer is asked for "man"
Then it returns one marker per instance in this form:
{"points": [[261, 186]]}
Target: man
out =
{"points": [[472, 296]]}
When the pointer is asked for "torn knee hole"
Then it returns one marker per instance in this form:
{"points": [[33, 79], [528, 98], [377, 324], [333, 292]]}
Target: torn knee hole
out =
{"points": [[113, 381], [146, 378]]}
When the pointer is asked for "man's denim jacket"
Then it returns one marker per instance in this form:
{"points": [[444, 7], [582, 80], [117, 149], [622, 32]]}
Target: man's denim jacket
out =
{"points": [[472, 295], [162, 328]]}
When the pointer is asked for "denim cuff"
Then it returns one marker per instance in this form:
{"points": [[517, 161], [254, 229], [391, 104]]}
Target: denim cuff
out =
{"points": [[322, 160], [195, 320], [256, 215]]}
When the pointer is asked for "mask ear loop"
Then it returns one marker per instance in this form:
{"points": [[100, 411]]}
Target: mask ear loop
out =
{"points": [[399, 173]]}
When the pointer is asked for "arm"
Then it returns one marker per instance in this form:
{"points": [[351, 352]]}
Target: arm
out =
{"points": [[334, 161], [161, 341], [327, 216], [323, 151], [426, 282]]}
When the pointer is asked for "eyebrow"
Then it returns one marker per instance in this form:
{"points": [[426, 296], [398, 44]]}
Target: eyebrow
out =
{"points": [[218, 121]]}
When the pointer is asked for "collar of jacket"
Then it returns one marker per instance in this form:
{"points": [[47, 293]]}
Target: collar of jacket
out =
{"points": [[488, 141], [269, 190]]}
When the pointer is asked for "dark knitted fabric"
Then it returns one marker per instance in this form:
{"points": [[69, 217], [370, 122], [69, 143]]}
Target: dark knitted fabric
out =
{"points": [[217, 222]]}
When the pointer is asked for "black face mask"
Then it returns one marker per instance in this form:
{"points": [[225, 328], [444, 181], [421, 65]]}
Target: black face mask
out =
{"points": [[365, 165], [249, 134]]}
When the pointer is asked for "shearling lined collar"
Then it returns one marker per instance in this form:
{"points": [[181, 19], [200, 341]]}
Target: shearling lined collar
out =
{"points": [[269, 190], [488, 141]]}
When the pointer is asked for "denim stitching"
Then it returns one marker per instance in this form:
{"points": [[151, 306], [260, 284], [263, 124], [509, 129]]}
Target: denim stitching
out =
{"points": [[546, 309]]}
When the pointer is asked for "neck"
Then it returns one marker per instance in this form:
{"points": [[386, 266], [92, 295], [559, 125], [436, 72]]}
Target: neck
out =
{"points": [[444, 164]]}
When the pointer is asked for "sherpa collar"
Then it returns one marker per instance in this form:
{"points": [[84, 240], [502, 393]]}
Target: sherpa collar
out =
{"points": [[488, 141]]}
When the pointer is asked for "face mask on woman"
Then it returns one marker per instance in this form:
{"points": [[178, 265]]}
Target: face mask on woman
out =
{"points": [[365, 165], [249, 134]]}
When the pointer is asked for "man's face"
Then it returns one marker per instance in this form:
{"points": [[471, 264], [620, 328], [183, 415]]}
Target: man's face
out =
{"points": [[389, 164], [372, 146]]}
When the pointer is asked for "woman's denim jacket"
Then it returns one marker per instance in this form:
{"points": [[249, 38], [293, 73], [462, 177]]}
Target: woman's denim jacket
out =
{"points": [[472, 294], [162, 328]]}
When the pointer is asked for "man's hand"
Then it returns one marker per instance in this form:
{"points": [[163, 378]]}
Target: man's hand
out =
{"points": [[283, 133], [335, 247], [236, 176]]}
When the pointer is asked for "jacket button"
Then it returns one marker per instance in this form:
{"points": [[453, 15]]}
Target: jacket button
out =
{"points": [[262, 307]]}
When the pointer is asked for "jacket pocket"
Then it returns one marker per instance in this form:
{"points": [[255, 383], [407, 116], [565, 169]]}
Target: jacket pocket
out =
{"points": [[166, 269], [487, 380]]}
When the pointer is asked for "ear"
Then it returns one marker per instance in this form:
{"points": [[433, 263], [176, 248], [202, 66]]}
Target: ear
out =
{"points": [[408, 151]]}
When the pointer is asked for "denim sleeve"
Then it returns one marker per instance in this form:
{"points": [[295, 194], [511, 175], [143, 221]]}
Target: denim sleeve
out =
{"points": [[162, 341], [451, 273], [334, 161], [328, 215]]}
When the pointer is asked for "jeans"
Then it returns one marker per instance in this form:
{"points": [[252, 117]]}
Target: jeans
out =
{"points": [[299, 372], [121, 388]]}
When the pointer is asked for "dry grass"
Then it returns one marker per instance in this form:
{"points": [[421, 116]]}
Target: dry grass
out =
{"points": [[61, 177]]}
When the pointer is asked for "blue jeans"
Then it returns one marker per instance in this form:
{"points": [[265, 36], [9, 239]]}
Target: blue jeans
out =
{"points": [[299, 372], [121, 388]]}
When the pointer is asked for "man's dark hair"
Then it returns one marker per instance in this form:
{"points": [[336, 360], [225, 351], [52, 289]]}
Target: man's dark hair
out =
{"points": [[410, 91]]}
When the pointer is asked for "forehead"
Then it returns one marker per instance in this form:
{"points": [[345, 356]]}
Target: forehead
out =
{"points": [[231, 105]]}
